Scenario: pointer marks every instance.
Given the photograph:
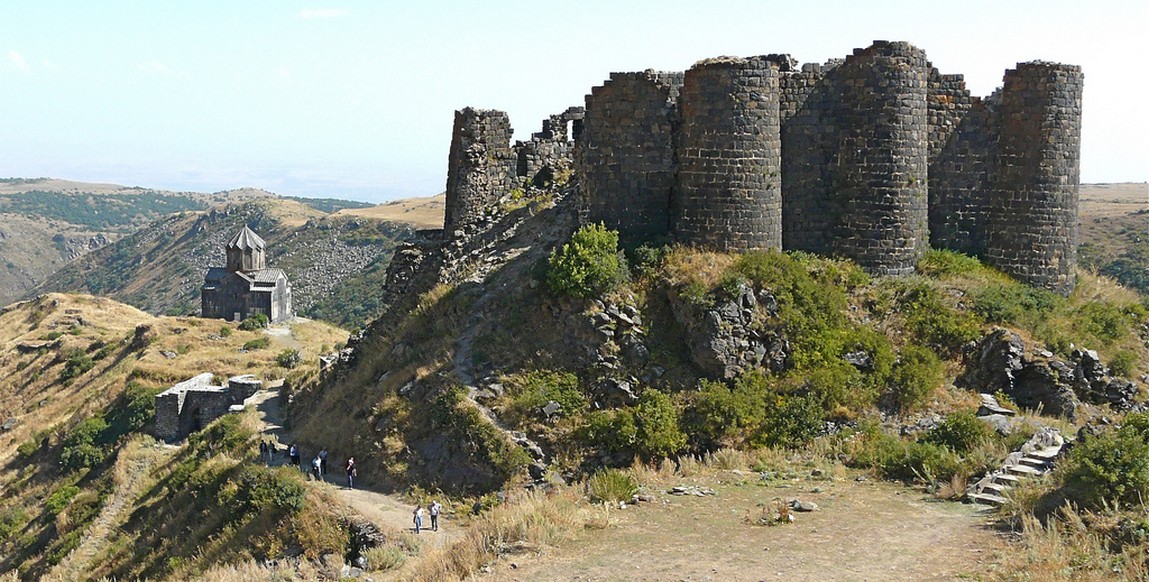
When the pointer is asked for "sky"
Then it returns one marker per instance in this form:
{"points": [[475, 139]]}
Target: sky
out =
{"points": [[355, 99]]}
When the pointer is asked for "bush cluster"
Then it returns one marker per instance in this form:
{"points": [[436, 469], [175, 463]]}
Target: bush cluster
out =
{"points": [[257, 321], [1112, 467], [534, 390], [589, 265], [611, 486]]}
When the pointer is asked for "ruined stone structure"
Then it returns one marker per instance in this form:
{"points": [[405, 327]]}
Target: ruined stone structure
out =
{"points": [[873, 157], [192, 404], [246, 286]]}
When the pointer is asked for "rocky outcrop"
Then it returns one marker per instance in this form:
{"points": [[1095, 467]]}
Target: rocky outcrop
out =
{"points": [[1036, 379], [730, 338]]}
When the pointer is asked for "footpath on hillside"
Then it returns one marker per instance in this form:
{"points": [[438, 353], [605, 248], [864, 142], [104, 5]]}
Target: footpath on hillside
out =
{"points": [[386, 511]]}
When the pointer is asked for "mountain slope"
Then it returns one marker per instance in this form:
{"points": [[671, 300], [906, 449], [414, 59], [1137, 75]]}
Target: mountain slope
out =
{"points": [[335, 264]]}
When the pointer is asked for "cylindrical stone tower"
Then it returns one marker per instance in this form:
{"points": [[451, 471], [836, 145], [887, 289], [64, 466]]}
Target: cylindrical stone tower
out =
{"points": [[729, 194], [624, 157], [879, 171], [480, 165], [1032, 218]]}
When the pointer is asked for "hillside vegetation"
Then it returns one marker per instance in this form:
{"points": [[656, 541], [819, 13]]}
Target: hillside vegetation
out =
{"points": [[540, 350], [79, 376]]}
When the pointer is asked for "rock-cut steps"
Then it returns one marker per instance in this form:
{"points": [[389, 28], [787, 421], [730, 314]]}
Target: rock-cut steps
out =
{"points": [[1033, 459]]}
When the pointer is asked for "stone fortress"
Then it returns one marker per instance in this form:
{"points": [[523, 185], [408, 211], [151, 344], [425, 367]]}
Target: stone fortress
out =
{"points": [[875, 157]]}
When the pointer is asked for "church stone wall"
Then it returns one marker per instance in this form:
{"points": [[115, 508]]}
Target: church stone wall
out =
{"points": [[1032, 219], [729, 194]]}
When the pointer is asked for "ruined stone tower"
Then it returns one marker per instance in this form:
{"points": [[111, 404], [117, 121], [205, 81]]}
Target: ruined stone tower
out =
{"points": [[1032, 216], [729, 190], [480, 167]]}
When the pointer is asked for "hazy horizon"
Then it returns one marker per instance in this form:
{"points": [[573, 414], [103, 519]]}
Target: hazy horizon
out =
{"points": [[356, 99]]}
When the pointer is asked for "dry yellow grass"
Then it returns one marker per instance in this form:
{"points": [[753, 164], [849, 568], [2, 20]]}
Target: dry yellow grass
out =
{"points": [[418, 212]]}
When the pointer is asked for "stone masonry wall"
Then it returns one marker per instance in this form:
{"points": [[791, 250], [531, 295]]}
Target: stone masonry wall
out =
{"points": [[1032, 217], [880, 166], [625, 156], [874, 158], [808, 124], [963, 142], [481, 165], [729, 194]]}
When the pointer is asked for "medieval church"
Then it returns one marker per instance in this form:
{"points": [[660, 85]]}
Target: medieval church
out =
{"points": [[246, 286]]}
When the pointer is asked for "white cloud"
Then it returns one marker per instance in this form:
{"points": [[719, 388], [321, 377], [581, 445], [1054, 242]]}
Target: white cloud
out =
{"points": [[312, 13], [18, 60], [154, 67]]}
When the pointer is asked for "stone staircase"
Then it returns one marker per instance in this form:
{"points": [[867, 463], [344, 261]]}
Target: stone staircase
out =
{"points": [[1034, 458]]}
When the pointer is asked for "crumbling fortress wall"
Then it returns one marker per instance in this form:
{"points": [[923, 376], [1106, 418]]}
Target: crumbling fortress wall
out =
{"points": [[874, 157], [628, 138]]}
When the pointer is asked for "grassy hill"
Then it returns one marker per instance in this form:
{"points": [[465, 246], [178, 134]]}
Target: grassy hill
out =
{"points": [[77, 379]]}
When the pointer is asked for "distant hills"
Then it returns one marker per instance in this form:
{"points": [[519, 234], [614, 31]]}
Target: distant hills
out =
{"points": [[150, 248]]}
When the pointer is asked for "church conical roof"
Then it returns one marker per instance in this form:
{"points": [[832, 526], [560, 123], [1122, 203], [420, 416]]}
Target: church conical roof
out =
{"points": [[245, 239]]}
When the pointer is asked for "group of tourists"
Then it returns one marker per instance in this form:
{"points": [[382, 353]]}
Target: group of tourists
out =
{"points": [[434, 509], [267, 450], [318, 465]]}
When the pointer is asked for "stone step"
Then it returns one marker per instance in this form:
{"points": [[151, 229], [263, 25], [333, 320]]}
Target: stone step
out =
{"points": [[1048, 453], [1006, 479], [1035, 463], [995, 488], [986, 499], [1023, 470]]}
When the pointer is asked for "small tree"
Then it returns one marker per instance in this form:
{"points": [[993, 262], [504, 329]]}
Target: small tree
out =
{"points": [[588, 265]]}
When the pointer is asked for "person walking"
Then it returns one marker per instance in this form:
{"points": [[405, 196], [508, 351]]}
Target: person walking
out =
{"points": [[263, 451], [418, 518], [293, 454], [323, 463], [434, 510], [352, 472], [315, 465]]}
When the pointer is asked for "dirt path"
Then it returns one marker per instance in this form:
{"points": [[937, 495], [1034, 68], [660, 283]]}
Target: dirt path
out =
{"points": [[384, 510], [862, 531], [131, 476]]}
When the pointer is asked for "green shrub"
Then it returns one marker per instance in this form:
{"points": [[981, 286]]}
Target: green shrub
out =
{"points": [[1112, 467], [81, 447], [288, 358], [808, 307], [225, 435], [732, 415], [132, 410], [897, 458], [59, 499], [533, 390], [933, 322], [960, 432], [257, 344], [915, 376], [610, 431], [76, 363], [1123, 363], [225, 331], [385, 558], [257, 321], [28, 448], [466, 426], [793, 420], [12, 519], [657, 418], [1013, 302], [1107, 322], [611, 486], [264, 488], [939, 263], [648, 259], [589, 265]]}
